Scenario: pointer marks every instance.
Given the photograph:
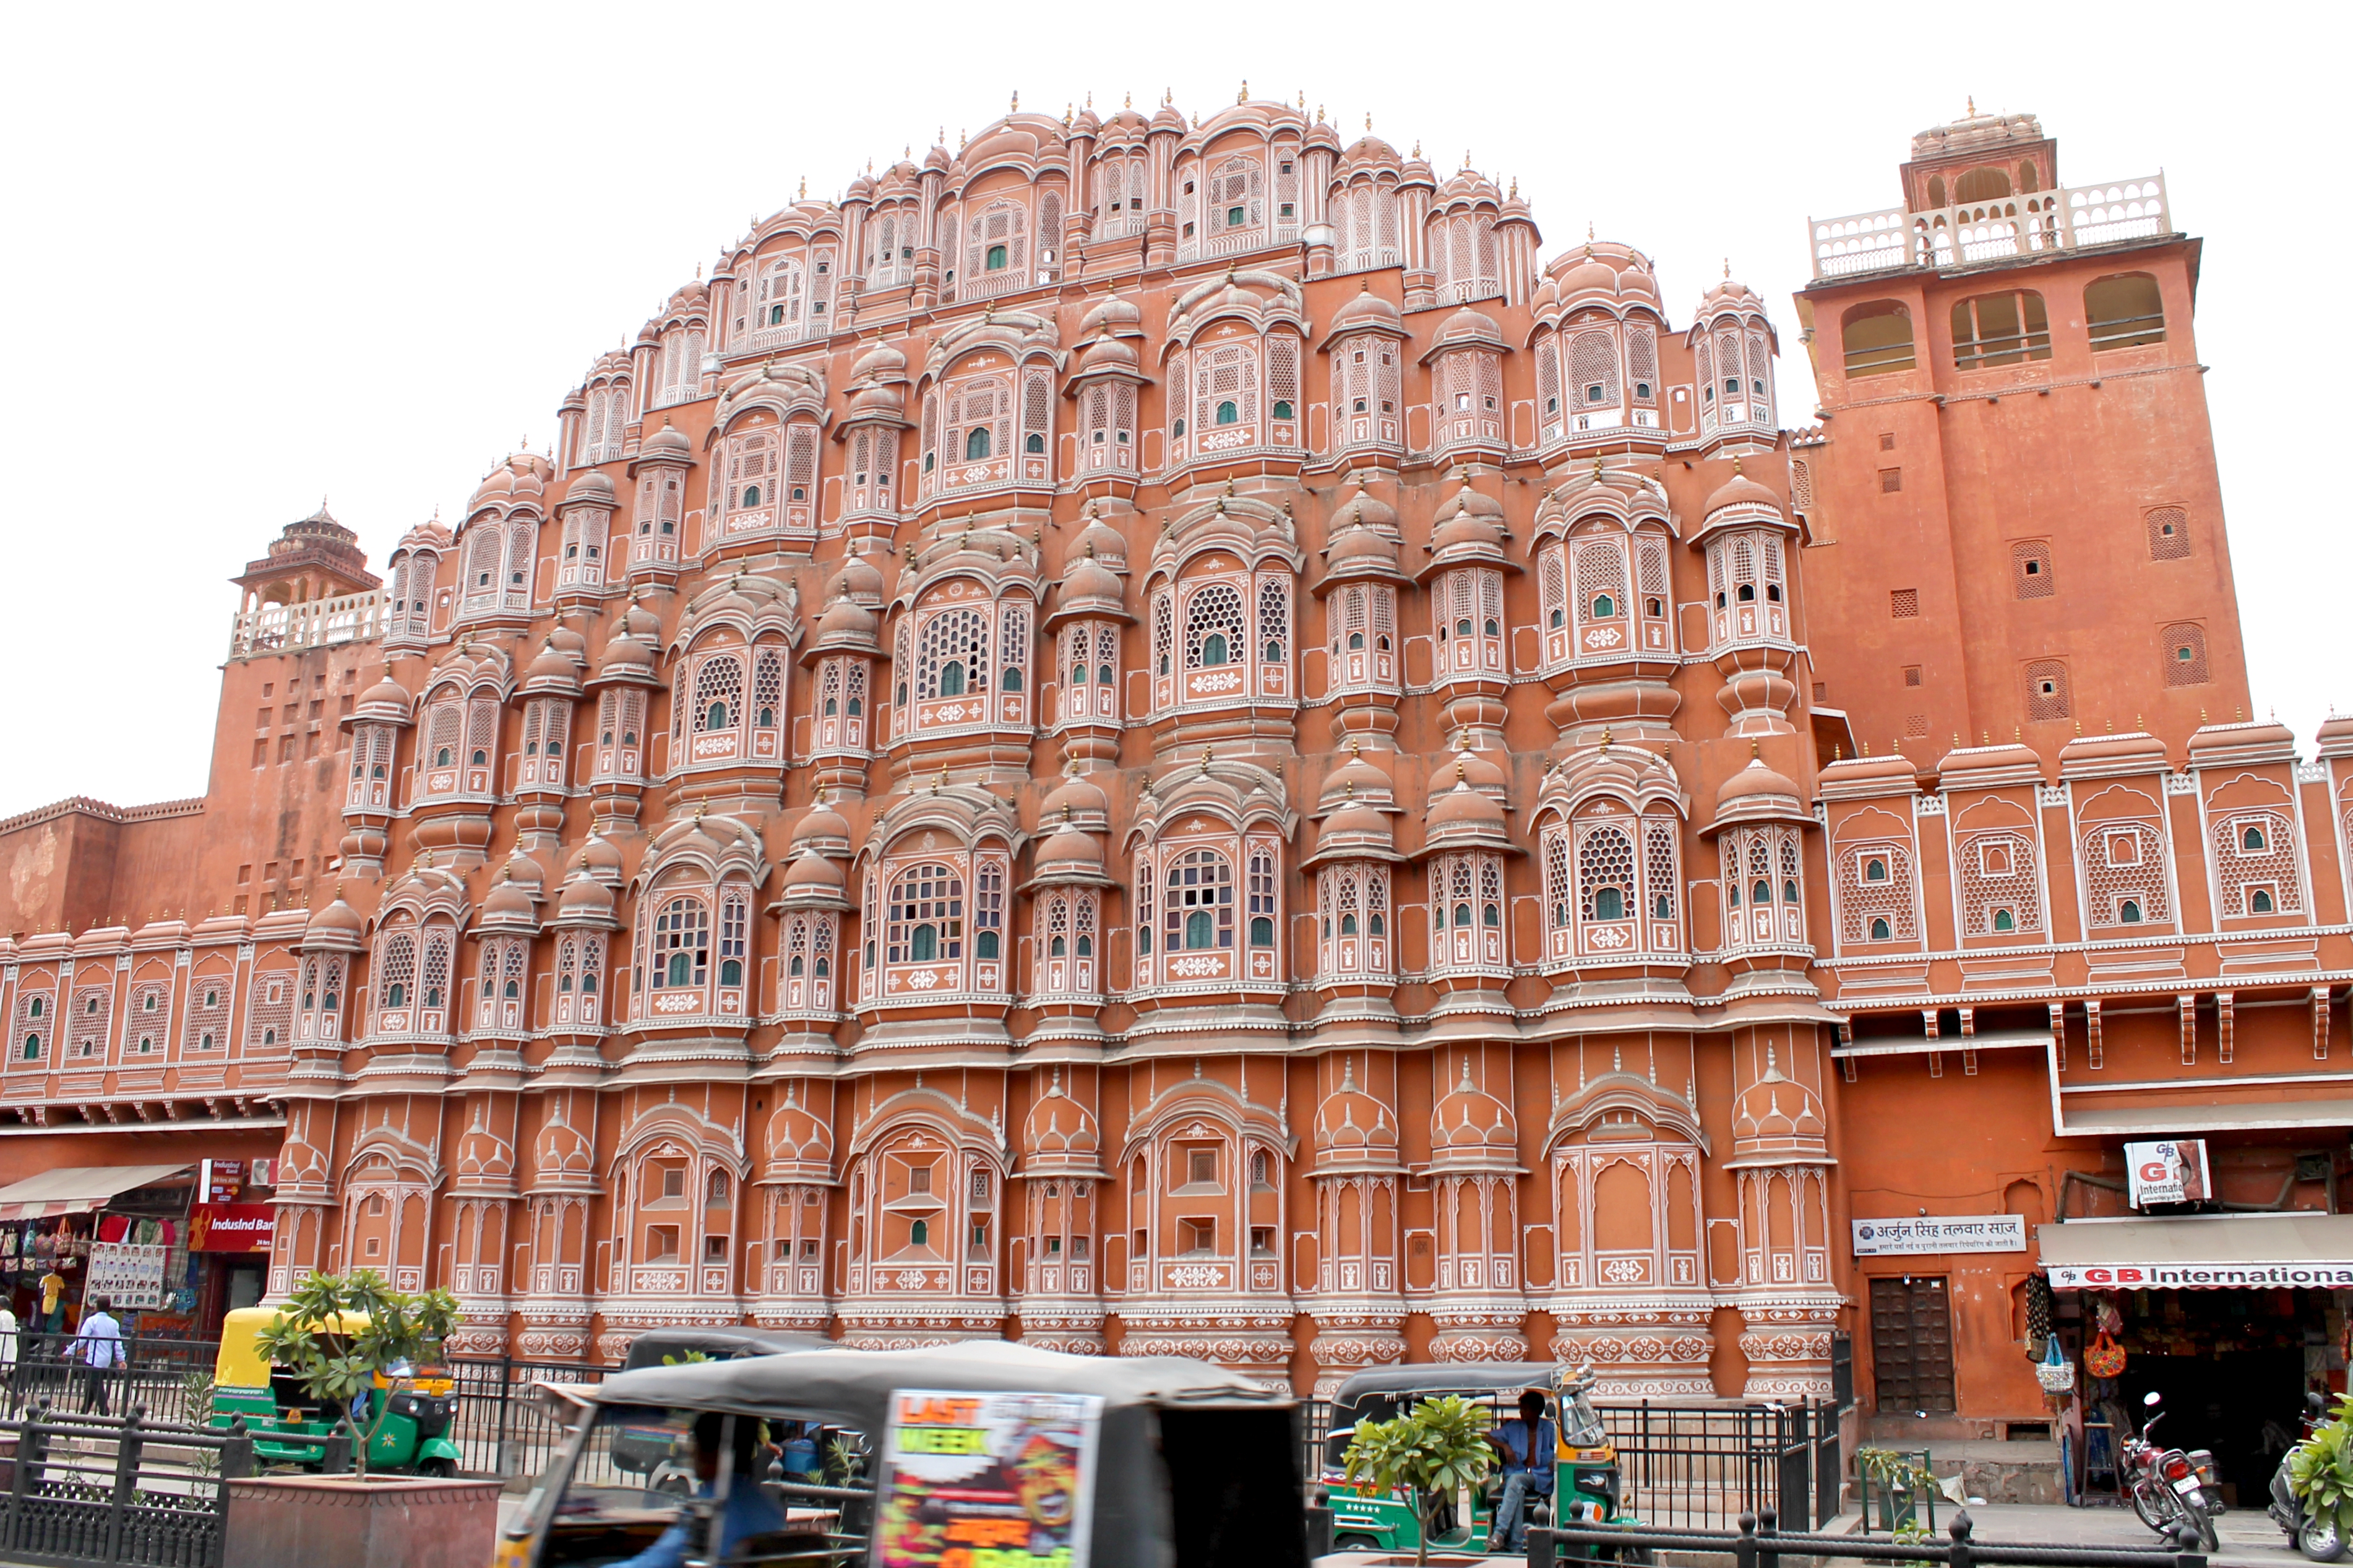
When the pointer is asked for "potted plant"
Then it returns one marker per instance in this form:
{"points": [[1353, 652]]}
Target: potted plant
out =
{"points": [[2321, 1471], [336, 1333], [1436, 1449]]}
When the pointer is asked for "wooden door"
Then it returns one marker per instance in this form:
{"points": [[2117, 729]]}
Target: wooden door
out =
{"points": [[1912, 1345]]}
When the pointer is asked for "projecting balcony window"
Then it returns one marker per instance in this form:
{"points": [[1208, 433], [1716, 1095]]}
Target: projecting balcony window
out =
{"points": [[2000, 329], [751, 495], [1228, 414], [975, 443], [997, 258]]}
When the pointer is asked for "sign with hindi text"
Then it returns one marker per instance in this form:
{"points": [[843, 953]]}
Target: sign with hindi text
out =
{"points": [[1940, 1233], [129, 1275]]}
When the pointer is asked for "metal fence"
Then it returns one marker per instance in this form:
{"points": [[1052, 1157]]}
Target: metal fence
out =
{"points": [[497, 1424], [155, 1374], [1755, 1543], [121, 1491], [1700, 1466]]}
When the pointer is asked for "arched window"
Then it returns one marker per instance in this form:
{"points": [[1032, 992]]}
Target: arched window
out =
{"points": [[1874, 869], [1608, 903], [951, 678], [1879, 931], [680, 954], [925, 916], [975, 443], [2128, 912], [1228, 413], [2252, 838], [1603, 609], [2125, 311], [1200, 906], [1877, 339]]}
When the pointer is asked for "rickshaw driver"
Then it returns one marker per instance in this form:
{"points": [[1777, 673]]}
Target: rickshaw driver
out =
{"points": [[748, 1511], [1528, 1447]]}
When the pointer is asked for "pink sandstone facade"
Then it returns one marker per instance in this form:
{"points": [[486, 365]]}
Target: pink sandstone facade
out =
{"points": [[1153, 735]]}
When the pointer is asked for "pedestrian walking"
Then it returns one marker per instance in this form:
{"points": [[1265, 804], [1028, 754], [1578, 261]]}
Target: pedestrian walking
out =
{"points": [[99, 1347], [8, 1338]]}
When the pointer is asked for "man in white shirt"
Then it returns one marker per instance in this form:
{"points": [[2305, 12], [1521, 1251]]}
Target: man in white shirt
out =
{"points": [[8, 1335], [99, 1347]]}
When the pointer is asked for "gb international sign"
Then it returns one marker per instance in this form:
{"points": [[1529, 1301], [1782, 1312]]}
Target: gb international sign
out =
{"points": [[1940, 1233]]}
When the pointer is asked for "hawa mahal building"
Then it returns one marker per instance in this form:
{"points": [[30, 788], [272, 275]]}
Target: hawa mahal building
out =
{"points": [[1160, 734]]}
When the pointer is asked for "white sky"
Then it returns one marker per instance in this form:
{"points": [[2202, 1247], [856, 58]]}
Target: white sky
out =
{"points": [[254, 257]]}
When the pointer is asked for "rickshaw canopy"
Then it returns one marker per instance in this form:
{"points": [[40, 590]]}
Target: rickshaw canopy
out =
{"points": [[1171, 1427], [240, 1362]]}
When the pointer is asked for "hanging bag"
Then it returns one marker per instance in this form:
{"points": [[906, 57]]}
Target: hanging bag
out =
{"points": [[2055, 1372], [2104, 1357]]}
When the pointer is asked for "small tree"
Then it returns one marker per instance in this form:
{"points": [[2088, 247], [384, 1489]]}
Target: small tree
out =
{"points": [[333, 1361], [1438, 1448], [2321, 1471]]}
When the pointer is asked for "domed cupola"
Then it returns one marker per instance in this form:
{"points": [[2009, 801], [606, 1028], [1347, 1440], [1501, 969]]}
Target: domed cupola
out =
{"points": [[1060, 1136], [1353, 1131], [1463, 816], [1470, 1129]]}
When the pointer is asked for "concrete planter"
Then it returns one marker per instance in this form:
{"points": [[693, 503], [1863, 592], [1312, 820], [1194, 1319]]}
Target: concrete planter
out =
{"points": [[302, 1521]]}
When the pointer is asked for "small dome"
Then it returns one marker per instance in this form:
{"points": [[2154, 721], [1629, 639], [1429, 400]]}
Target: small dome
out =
{"points": [[1076, 797], [860, 579], [670, 442], [1467, 1117], [1352, 1122], [1101, 541], [846, 621], [1107, 353], [1481, 774], [337, 923], [821, 828], [1468, 325], [506, 903], [583, 896], [878, 362], [1367, 310], [624, 655], [1591, 275], [1354, 825], [639, 621], [876, 401], [1110, 314], [1059, 1131], [1356, 779], [1776, 1110], [1462, 808], [550, 667], [598, 857], [1360, 505], [1071, 849], [1362, 551], [1753, 781], [817, 872], [590, 489], [1740, 490], [386, 694], [800, 1143]]}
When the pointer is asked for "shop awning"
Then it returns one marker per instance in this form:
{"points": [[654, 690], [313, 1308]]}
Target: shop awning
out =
{"points": [[76, 1189], [2202, 1252]]}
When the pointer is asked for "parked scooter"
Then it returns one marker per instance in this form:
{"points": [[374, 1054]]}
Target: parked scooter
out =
{"points": [[2168, 1487], [2316, 1536]]}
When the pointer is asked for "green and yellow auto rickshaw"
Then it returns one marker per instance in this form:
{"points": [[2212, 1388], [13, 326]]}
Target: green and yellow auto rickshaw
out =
{"points": [[1587, 1485], [289, 1428]]}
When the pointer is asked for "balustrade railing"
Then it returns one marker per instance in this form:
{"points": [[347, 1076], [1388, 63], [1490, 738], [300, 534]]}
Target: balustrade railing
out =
{"points": [[1968, 232], [316, 623]]}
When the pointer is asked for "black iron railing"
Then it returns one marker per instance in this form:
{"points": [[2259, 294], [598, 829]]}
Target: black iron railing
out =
{"points": [[77, 1489], [1755, 1543], [154, 1373], [497, 1424]]}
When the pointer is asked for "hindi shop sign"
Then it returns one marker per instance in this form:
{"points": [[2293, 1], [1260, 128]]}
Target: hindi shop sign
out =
{"points": [[131, 1275], [1940, 1233], [1002, 1478], [2171, 1172]]}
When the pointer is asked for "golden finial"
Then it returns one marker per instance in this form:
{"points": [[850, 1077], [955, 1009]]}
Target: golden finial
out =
{"points": [[803, 190], [2238, 714], [1417, 148], [1727, 269], [2079, 729], [2202, 716], [1127, 99], [1866, 748], [1755, 751], [1462, 772], [1302, 100], [1017, 103], [1973, 106], [1515, 189], [2138, 724], [1466, 160], [1369, 120], [1243, 96], [1605, 742], [1067, 117], [1838, 752], [2016, 734], [1207, 752]]}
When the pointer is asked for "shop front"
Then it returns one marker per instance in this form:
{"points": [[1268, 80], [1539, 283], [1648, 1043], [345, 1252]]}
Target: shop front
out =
{"points": [[171, 1246], [2229, 1318]]}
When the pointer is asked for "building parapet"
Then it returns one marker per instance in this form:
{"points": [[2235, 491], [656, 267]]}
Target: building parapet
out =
{"points": [[318, 623], [2066, 219]]}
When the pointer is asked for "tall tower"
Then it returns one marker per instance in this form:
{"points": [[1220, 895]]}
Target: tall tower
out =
{"points": [[2014, 517]]}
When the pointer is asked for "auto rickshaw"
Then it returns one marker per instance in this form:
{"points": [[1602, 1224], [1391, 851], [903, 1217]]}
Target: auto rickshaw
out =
{"points": [[289, 1428], [1588, 1485], [983, 1451], [658, 1452]]}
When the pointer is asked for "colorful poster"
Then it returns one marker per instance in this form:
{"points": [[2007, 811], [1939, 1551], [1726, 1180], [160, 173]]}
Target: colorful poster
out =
{"points": [[132, 1275], [986, 1480]]}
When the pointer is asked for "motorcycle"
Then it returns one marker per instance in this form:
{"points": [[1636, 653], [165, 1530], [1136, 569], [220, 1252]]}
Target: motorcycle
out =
{"points": [[2318, 1538], [2170, 1488]]}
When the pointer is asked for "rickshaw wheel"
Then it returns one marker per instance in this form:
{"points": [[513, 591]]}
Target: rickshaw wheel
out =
{"points": [[1355, 1544], [438, 1469]]}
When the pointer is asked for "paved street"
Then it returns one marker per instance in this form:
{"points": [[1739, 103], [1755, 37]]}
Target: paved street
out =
{"points": [[2249, 1536]]}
